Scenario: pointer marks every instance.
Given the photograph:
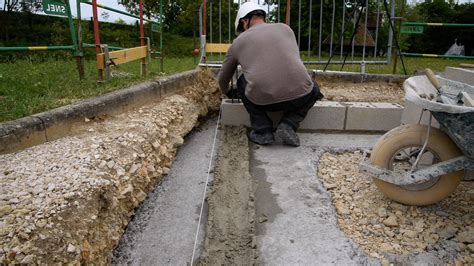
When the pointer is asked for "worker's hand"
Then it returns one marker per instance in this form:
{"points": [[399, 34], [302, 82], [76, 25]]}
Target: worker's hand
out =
{"points": [[233, 94]]}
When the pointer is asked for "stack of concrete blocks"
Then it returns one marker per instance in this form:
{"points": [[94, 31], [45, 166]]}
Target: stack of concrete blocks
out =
{"points": [[325, 115]]}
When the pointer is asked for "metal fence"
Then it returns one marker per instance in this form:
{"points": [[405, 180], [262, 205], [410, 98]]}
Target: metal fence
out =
{"points": [[327, 31]]}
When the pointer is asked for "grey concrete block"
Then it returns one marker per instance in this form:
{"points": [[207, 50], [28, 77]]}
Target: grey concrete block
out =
{"points": [[325, 115], [373, 116], [234, 114], [463, 75], [412, 115]]}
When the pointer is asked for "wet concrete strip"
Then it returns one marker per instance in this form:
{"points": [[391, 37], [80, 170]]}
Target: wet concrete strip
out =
{"points": [[164, 227], [297, 222]]}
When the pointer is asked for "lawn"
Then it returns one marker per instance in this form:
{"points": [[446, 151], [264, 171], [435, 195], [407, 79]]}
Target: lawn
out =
{"points": [[28, 87]]}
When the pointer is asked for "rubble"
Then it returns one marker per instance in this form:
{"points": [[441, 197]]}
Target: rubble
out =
{"points": [[68, 201], [384, 228]]}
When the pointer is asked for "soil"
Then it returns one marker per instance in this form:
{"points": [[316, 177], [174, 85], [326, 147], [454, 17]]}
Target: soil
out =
{"points": [[362, 92], [230, 234], [438, 234]]}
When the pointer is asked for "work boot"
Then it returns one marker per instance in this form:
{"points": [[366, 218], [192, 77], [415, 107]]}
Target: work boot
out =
{"points": [[288, 135], [265, 138]]}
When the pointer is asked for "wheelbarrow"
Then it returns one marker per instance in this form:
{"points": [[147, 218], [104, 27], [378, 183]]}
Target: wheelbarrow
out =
{"points": [[417, 164]]}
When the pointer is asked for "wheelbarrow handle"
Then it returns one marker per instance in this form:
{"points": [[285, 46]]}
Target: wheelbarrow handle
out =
{"points": [[433, 79]]}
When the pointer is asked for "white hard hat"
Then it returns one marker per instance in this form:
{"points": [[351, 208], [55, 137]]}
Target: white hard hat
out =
{"points": [[244, 10]]}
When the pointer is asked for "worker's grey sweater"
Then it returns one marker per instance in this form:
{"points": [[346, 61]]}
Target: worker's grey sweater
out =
{"points": [[271, 64]]}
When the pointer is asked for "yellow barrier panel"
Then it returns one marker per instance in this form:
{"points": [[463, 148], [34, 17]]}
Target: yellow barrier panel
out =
{"points": [[122, 56], [34, 48], [217, 47]]}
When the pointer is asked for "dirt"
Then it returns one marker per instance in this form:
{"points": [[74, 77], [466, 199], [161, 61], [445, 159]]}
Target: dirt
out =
{"points": [[230, 234], [362, 92], [438, 234]]}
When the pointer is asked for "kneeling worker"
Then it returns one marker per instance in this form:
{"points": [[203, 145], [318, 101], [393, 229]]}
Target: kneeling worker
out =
{"points": [[273, 76]]}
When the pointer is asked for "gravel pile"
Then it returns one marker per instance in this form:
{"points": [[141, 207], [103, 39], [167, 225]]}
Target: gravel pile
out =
{"points": [[68, 201], [362, 92], [387, 230]]}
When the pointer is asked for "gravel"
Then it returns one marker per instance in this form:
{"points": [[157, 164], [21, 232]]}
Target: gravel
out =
{"points": [[437, 234], [68, 201]]}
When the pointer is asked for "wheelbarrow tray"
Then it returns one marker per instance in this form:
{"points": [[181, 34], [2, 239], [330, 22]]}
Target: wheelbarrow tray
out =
{"points": [[455, 120]]}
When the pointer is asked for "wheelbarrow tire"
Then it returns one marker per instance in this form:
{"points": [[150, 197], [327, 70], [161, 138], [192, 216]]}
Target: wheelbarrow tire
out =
{"points": [[409, 136]]}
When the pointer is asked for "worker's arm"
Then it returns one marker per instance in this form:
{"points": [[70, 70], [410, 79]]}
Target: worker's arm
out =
{"points": [[227, 71]]}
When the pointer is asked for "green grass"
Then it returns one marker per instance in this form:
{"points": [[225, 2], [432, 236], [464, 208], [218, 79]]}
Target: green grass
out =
{"points": [[28, 87]]}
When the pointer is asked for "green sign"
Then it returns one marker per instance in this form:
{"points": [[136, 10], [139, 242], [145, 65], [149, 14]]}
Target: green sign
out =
{"points": [[411, 29], [54, 7], [155, 27]]}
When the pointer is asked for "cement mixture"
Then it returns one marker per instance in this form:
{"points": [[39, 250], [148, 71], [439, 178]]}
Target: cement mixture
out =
{"points": [[439, 234], [230, 235]]}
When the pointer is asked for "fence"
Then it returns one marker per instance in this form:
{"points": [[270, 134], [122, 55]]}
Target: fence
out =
{"points": [[418, 28], [104, 57], [323, 31]]}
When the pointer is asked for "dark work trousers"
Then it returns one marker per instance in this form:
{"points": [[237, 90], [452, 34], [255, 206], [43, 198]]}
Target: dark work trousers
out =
{"points": [[294, 111]]}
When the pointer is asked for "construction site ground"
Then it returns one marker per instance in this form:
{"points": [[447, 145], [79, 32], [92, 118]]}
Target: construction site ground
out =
{"points": [[128, 189]]}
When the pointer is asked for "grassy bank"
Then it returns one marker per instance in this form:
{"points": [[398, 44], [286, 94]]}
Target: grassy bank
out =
{"points": [[28, 87], [32, 86]]}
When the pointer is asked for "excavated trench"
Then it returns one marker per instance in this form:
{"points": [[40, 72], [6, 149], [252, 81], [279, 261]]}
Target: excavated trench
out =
{"points": [[70, 200]]}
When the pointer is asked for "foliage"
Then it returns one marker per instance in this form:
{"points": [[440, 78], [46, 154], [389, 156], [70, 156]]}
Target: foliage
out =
{"points": [[17, 29], [437, 40]]}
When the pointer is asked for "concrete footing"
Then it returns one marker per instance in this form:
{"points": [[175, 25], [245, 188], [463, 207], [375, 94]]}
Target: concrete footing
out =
{"points": [[326, 115]]}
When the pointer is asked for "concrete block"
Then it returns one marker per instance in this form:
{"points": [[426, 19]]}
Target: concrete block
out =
{"points": [[373, 116], [234, 114], [463, 75], [325, 115], [412, 114]]}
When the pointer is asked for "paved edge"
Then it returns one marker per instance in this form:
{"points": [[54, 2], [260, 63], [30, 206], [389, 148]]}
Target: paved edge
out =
{"points": [[50, 125]]}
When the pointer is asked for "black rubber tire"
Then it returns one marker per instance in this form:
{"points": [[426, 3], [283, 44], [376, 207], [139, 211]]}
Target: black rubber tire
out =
{"points": [[414, 135]]}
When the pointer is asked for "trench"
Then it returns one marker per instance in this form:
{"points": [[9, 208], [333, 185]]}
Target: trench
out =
{"points": [[150, 166]]}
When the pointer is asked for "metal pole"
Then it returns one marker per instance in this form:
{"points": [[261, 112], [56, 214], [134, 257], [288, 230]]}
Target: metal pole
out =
{"points": [[320, 29], [161, 35], [309, 28], [194, 36], [365, 28], [229, 21], [299, 22], [279, 9], [353, 35], [342, 30], [210, 26], [390, 33], [142, 38], [332, 25], [220, 25], [288, 7], [97, 38], [402, 13], [377, 29]]}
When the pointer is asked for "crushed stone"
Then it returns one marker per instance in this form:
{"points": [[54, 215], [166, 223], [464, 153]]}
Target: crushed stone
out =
{"points": [[438, 234]]}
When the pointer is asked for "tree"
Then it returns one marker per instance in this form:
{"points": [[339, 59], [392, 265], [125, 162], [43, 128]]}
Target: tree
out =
{"points": [[28, 6]]}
